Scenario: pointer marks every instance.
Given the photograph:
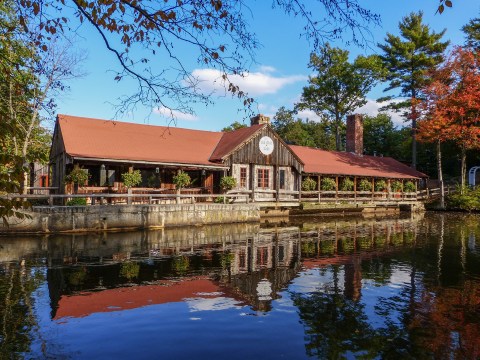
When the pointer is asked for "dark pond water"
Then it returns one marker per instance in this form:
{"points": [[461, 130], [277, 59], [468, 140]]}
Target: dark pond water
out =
{"points": [[326, 288]]}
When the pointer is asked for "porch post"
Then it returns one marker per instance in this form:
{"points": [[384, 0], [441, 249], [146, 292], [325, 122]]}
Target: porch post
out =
{"points": [[277, 183], [319, 187], [416, 189], [355, 189], [299, 186], [373, 188], [252, 181], [389, 189], [336, 187]]}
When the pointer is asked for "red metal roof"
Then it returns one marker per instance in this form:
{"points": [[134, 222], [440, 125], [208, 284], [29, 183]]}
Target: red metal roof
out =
{"points": [[115, 140], [232, 139], [341, 163], [108, 139], [86, 303]]}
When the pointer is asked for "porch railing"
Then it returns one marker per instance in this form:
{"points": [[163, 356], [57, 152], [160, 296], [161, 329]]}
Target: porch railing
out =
{"points": [[103, 199], [235, 196]]}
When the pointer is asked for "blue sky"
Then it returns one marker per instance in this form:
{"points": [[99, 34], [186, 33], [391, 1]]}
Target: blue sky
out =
{"points": [[275, 80]]}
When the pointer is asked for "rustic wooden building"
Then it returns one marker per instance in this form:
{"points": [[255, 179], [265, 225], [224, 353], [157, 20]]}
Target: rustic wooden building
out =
{"points": [[263, 165]]}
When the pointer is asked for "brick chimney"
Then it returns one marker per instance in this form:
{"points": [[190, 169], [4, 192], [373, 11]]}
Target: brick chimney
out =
{"points": [[259, 119], [355, 134]]}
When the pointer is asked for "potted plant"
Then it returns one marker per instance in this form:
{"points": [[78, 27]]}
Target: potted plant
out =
{"points": [[78, 177], [409, 186], [309, 184], [396, 186], [365, 185], [131, 179], [347, 184], [181, 180], [227, 183], [328, 184], [380, 185]]}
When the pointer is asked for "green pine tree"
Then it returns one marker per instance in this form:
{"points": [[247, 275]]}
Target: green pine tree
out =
{"points": [[472, 33], [408, 58]]}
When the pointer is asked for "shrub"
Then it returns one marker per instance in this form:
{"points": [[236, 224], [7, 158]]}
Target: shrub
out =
{"points": [[380, 185], [347, 184], [365, 185], [464, 199], [328, 184], [77, 176], [131, 179], [221, 200], [181, 180], [409, 186], [396, 186], [77, 202], [228, 183], [38, 202], [309, 184]]}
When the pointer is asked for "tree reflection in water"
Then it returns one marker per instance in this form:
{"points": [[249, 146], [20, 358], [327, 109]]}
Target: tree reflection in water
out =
{"points": [[435, 314], [394, 288], [18, 282]]}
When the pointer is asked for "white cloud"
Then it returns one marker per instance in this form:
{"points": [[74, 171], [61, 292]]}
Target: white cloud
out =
{"points": [[267, 69], [267, 108], [308, 114], [372, 108], [212, 304], [175, 114], [255, 83]]}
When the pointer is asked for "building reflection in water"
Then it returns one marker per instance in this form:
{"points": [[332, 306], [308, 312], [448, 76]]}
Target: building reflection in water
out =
{"points": [[244, 263]]}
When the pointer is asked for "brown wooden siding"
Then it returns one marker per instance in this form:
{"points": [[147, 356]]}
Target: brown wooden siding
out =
{"points": [[58, 160], [250, 153]]}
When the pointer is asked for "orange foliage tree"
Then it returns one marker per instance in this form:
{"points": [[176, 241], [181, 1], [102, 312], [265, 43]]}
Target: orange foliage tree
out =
{"points": [[452, 106]]}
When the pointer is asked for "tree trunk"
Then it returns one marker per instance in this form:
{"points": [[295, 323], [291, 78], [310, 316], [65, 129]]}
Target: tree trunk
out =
{"points": [[414, 133], [464, 167], [440, 175], [129, 198], [25, 183], [338, 138]]}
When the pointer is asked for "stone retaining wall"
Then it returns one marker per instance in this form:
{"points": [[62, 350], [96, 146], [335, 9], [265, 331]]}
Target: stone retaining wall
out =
{"points": [[119, 217]]}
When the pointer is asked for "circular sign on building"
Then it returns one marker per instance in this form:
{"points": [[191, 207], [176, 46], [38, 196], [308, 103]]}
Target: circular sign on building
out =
{"points": [[266, 145]]}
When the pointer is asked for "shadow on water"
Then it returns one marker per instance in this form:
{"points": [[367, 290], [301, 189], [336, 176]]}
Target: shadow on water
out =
{"points": [[396, 287]]}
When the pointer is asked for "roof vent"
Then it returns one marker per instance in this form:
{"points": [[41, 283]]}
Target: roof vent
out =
{"points": [[259, 120]]}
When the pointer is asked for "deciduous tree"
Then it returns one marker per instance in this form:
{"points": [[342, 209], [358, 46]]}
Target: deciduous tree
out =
{"points": [[234, 126], [380, 135], [453, 104], [303, 132], [338, 86]]}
